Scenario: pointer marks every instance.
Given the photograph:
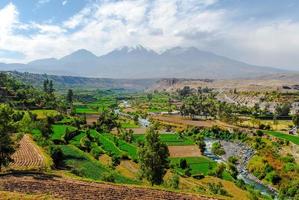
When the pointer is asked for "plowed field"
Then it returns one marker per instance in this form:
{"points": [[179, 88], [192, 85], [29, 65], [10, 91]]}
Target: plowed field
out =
{"points": [[61, 188], [27, 155]]}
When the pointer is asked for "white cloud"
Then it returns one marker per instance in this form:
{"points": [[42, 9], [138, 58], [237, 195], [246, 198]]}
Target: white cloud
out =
{"points": [[105, 25], [64, 2]]}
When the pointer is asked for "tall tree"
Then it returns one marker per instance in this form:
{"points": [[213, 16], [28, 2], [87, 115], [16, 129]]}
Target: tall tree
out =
{"points": [[7, 127], [46, 88], [153, 158], [69, 97]]}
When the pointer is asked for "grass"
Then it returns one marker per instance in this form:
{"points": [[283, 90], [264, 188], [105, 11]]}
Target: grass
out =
{"points": [[76, 140], [198, 165], [85, 110], [84, 165], [42, 114], [107, 144], [24, 196], [169, 139], [129, 125], [291, 138], [59, 131]]}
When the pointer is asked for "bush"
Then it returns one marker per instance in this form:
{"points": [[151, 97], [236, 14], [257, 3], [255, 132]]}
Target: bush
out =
{"points": [[183, 163], [259, 133], [115, 160], [174, 181], [108, 177], [217, 149], [198, 176], [217, 189], [56, 155], [96, 152], [187, 172], [273, 177]]}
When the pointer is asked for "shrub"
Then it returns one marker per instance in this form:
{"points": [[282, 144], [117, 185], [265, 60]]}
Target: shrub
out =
{"points": [[174, 181], [217, 149], [273, 177], [183, 163], [217, 189], [56, 154], [115, 160], [96, 152], [187, 172], [259, 133], [108, 177]]}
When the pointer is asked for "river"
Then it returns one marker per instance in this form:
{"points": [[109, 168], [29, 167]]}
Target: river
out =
{"points": [[244, 154]]}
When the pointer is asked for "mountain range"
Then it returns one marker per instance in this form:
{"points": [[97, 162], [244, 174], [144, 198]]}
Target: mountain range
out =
{"points": [[141, 63]]}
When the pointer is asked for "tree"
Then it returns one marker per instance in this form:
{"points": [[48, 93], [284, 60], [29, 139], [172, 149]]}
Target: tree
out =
{"points": [[153, 158], [7, 126], [46, 87], [217, 149], [56, 154], [219, 170], [201, 143], [69, 97]]}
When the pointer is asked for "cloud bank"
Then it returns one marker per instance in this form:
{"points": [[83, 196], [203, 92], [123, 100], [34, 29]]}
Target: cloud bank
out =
{"points": [[102, 26]]}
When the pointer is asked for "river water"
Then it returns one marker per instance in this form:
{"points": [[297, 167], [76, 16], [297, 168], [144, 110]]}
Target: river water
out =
{"points": [[244, 153]]}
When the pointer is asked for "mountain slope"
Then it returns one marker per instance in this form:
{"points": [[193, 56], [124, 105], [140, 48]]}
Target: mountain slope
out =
{"points": [[140, 62]]}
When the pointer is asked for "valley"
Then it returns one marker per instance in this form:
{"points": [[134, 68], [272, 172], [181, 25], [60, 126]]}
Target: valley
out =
{"points": [[210, 147]]}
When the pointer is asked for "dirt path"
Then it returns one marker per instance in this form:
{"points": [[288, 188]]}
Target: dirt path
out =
{"points": [[61, 188], [27, 155]]}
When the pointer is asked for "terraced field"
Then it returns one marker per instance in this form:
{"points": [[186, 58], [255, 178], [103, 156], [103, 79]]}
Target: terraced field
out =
{"points": [[28, 155], [61, 188]]}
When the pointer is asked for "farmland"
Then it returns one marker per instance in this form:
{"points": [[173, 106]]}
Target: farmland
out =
{"points": [[292, 138], [169, 139], [123, 137]]}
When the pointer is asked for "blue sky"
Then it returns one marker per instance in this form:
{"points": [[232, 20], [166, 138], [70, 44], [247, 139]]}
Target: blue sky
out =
{"points": [[262, 32]]}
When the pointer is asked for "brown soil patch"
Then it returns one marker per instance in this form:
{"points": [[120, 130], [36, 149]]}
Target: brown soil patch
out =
{"points": [[27, 155], [75, 190], [184, 151], [90, 119], [183, 122], [139, 130]]}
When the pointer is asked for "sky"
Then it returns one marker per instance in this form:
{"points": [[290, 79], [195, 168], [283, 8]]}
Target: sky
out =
{"points": [[260, 32]]}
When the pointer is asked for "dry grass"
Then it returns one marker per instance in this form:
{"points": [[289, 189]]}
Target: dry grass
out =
{"points": [[128, 168], [21, 196], [105, 160]]}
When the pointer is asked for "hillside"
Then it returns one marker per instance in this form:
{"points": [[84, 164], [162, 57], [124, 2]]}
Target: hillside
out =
{"points": [[76, 82], [282, 81], [58, 187], [142, 63]]}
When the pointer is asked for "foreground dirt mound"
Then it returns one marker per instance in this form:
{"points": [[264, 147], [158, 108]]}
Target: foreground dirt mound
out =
{"points": [[73, 189]]}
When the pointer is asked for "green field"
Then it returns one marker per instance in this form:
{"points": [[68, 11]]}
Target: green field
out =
{"points": [[198, 165], [76, 140], [42, 114], [82, 164], [59, 131], [124, 146], [129, 125], [107, 144], [169, 139], [291, 138], [83, 109]]}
